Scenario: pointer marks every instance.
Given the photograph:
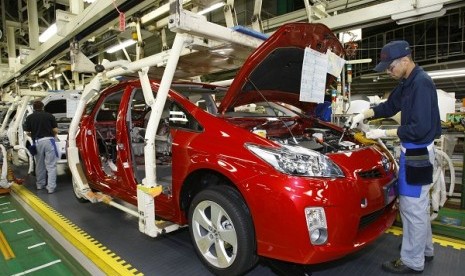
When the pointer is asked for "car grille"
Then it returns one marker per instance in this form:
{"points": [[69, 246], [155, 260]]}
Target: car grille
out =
{"points": [[366, 220], [375, 173]]}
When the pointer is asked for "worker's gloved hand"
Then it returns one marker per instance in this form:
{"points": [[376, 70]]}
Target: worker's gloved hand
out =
{"points": [[376, 133], [355, 120], [363, 127]]}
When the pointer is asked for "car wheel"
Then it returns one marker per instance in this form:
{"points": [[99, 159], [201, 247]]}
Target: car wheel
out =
{"points": [[78, 196], [222, 231]]}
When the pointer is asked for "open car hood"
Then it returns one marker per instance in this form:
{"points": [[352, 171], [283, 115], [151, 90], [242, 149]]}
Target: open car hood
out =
{"points": [[273, 70]]}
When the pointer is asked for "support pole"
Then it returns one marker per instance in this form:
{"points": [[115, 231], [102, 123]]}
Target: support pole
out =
{"points": [[148, 190], [257, 18], [462, 199], [33, 24], [230, 14]]}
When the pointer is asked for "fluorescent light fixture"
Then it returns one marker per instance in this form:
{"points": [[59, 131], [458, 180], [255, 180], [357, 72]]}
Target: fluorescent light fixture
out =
{"points": [[358, 61], [56, 76], [155, 14], [37, 84], [51, 31], [121, 45], [449, 73], [416, 12], [46, 71], [421, 17], [211, 8], [158, 12]]}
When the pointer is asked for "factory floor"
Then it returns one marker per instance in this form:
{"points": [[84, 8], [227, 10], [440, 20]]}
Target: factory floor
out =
{"points": [[109, 240]]}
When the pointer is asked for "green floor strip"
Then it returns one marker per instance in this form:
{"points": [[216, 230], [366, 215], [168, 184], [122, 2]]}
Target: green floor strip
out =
{"points": [[35, 252]]}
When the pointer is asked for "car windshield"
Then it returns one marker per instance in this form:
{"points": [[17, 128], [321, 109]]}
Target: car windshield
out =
{"points": [[206, 98], [209, 99]]}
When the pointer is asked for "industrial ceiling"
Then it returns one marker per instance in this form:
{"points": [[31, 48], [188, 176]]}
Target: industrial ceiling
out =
{"points": [[435, 29]]}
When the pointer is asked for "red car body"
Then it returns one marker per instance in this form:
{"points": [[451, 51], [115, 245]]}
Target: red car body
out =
{"points": [[215, 149]]}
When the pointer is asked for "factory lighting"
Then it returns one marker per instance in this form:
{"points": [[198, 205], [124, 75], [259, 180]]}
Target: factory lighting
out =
{"points": [[56, 76], [51, 31], [449, 73], [155, 14], [37, 84], [417, 12], [121, 45], [421, 17], [211, 8], [358, 61], [46, 71]]}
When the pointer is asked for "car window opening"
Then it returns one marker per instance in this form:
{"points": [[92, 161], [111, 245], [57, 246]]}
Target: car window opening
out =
{"points": [[105, 129], [173, 116]]}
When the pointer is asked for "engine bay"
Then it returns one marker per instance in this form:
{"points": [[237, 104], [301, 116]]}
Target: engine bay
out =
{"points": [[323, 140], [304, 132]]}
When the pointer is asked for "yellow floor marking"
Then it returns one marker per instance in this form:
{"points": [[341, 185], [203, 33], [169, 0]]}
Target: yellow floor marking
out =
{"points": [[441, 240], [5, 248]]}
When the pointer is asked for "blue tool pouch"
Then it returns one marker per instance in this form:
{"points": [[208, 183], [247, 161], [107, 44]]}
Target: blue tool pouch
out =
{"points": [[418, 168]]}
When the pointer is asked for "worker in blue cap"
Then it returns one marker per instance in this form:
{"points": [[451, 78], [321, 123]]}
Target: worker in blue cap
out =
{"points": [[416, 97]]}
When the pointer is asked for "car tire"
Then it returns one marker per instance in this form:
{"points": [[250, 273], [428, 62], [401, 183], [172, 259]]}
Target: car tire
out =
{"points": [[237, 250]]}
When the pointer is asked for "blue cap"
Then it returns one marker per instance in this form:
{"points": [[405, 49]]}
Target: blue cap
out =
{"points": [[392, 51]]}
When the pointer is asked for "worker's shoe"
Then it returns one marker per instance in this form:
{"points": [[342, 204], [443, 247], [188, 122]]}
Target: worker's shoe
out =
{"points": [[51, 191], [398, 267], [427, 258]]}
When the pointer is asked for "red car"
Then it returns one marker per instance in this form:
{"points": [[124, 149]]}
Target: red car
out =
{"points": [[249, 176]]}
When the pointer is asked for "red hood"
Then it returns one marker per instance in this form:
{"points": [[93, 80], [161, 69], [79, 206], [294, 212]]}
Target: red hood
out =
{"points": [[275, 67]]}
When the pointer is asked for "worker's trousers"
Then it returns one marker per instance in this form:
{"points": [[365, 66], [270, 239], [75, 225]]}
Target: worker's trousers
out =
{"points": [[46, 164], [416, 224]]}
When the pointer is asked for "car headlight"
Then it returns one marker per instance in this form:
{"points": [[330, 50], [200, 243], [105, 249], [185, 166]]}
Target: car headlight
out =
{"points": [[296, 160], [386, 163]]}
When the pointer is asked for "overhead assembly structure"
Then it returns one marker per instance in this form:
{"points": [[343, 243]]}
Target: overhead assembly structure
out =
{"points": [[188, 27]]}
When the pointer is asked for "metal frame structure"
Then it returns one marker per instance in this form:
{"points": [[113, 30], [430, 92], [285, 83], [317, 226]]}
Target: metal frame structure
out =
{"points": [[187, 25], [11, 132]]}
